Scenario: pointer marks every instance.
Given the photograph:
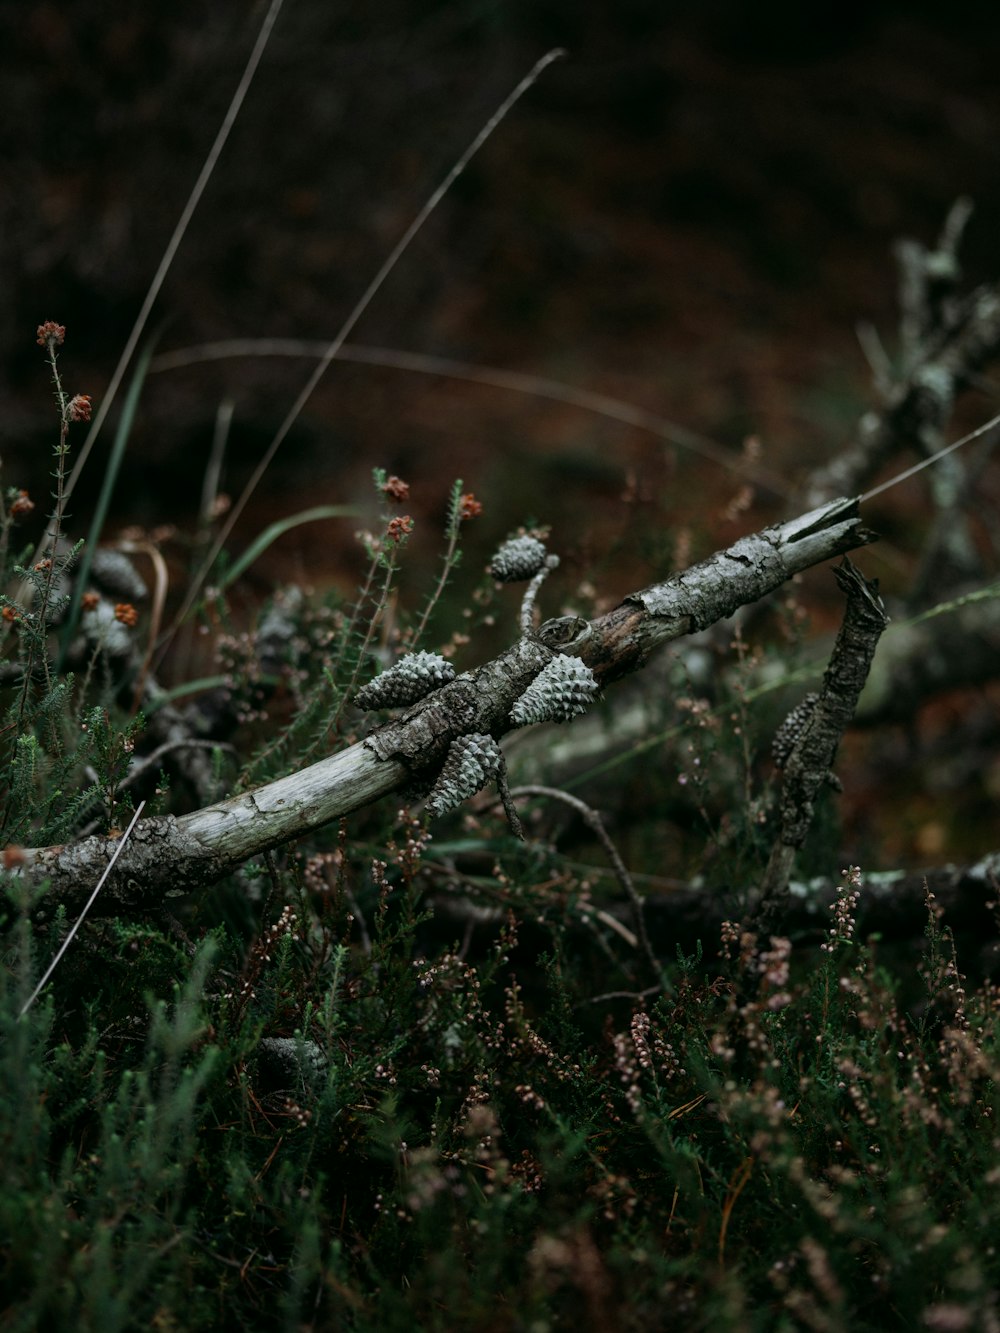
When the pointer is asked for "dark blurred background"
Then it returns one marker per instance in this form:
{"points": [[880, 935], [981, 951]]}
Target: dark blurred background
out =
{"points": [[690, 213]]}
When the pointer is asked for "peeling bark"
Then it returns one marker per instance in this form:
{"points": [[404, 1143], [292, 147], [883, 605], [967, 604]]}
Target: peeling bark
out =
{"points": [[715, 588]]}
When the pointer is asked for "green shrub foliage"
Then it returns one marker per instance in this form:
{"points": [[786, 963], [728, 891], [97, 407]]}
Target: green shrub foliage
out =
{"points": [[333, 1125], [388, 1080]]}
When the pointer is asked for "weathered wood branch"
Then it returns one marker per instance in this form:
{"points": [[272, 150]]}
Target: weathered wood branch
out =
{"points": [[810, 762], [168, 856], [914, 664], [946, 340], [892, 904]]}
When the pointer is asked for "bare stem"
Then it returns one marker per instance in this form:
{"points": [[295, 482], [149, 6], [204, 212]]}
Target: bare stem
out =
{"points": [[173, 245], [594, 822], [454, 527], [79, 921], [359, 309]]}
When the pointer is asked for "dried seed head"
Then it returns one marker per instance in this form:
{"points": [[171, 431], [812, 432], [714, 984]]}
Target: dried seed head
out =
{"points": [[472, 762], [398, 530], [563, 689], [791, 729], [410, 679], [395, 488], [79, 407], [518, 559]]}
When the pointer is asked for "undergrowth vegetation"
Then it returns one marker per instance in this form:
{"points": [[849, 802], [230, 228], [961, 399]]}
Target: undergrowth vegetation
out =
{"points": [[331, 1124], [301, 1100], [413, 1074]]}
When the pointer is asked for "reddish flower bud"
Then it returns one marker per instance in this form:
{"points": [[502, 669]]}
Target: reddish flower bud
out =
{"points": [[51, 334], [78, 408], [399, 529]]}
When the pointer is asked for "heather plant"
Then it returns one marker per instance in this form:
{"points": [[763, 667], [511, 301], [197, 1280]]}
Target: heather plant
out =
{"points": [[344, 1124], [304, 1099], [65, 738]]}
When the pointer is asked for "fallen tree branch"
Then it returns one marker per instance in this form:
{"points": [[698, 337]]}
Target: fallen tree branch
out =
{"points": [[892, 904], [946, 340], [809, 763], [955, 646], [169, 856]]}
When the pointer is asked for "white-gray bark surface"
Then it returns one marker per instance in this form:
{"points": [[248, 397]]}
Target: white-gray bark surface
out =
{"points": [[168, 855]]}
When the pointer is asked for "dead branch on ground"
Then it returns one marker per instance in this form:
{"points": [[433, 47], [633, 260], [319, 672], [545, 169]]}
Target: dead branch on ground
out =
{"points": [[169, 856]]}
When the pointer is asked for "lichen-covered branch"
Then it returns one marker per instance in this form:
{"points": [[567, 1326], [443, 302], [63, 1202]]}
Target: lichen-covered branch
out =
{"points": [[712, 590], [809, 763], [945, 341], [169, 855]]}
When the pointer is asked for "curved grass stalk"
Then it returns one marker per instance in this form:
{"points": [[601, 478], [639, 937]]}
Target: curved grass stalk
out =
{"points": [[278, 529], [362, 304], [976, 434], [173, 245], [184, 691], [161, 582], [978, 595], [119, 848], [511, 381]]}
